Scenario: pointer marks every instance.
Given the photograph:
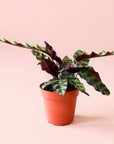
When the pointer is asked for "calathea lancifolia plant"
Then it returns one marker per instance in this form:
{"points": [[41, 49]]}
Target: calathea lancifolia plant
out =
{"points": [[65, 71]]}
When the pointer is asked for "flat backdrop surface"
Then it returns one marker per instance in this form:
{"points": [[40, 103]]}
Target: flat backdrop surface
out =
{"points": [[68, 25]]}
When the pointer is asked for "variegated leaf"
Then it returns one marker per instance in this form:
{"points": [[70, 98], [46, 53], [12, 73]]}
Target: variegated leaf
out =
{"points": [[93, 55], [94, 81], [26, 45], [47, 83], [92, 71], [47, 50], [74, 81], [78, 85], [53, 53], [67, 75], [60, 86], [66, 61], [82, 63], [40, 56]]}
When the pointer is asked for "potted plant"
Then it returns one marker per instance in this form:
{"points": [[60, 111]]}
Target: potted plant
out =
{"points": [[60, 93]]}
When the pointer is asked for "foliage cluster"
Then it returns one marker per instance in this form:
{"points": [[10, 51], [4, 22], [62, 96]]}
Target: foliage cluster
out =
{"points": [[65, 71]]}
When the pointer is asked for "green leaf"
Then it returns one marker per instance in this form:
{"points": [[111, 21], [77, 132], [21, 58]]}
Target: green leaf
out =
{"points": [[47, 83], [84, 57], [60, 86], [78, 85], [66, 61], [83, 62], [94, 81], [25, 44], [13, 42], [3, 39], [67, 75], [43, 49], [92, 71], [36, 46], [48, 49], [53, 53], [112, 52], [102, 53], [40, 56], [74, 81]]}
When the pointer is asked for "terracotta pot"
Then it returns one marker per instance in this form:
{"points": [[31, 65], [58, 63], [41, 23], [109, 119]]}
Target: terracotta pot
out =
{"points": [[60, 109]]}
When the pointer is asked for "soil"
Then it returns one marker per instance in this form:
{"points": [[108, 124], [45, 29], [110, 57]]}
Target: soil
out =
{"points": [[69, 88]]}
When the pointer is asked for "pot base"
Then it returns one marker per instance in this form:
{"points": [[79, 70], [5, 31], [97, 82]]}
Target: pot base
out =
{"points": [[60, 124]]}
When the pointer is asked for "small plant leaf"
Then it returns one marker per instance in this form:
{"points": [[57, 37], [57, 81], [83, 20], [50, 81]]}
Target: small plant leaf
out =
{"points": [[94, 81], [103, 53], [60, 86], [50, 67], [47, 50], [46, 84], [66, 61], [13, 42], [53, 53], [40, 56], [92, 71], [67, 75], [82, 63], [3, 40], [74, 81], [26, 45], [78, 85], [93, 55]]}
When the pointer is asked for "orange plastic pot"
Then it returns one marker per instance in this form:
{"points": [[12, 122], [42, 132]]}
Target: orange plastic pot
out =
{"points": [[59, 109]]}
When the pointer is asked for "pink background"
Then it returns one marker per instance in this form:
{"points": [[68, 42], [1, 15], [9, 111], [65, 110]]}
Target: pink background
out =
{"points": [[68, 25]]}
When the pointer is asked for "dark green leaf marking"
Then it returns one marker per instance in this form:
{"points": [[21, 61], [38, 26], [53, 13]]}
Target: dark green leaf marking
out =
{"points": [[94, 81], [35, 48], [66, 61], [47, 50], [47, 83], [84, 56], [83, 62], [74, 81], [60, 86], [25, 44], [40, 56], [78, 85]]}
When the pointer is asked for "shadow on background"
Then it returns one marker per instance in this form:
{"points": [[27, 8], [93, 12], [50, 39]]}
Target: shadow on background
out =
{"points": [[82, 119], [94, 124]]}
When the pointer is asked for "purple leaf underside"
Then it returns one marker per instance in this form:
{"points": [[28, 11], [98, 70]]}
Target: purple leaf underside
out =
{"points": [[54, 55], [50, 67], [74, 69], [96, 74], [92, 55]]}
